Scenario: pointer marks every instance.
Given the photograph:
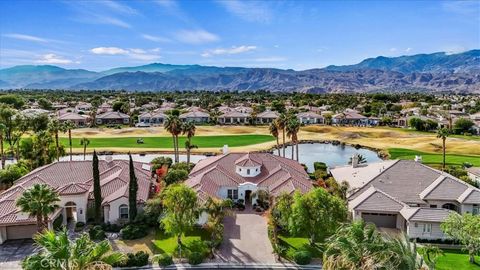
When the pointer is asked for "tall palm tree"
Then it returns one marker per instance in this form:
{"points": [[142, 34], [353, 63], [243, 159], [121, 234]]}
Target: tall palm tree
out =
{"points": [[67, 127], [188, 129], [2, 154], [54, 127], [39, 201], [273, 128], [57, 252], [356, 246], [443, 133], [404, 254], [282, 124], [173, 125], [214, 114], [293, 127], [85, 142]]}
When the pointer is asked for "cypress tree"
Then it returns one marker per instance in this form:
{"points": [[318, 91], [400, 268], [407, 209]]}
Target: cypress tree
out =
{"points": [[97, 193], [132, 192]]}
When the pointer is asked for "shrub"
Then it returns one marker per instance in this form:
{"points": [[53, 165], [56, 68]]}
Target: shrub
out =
{"points": [[79, 226], [302, 257], [195, 258], [133, 231], [97, 233], [138, 259], [174, 176], [164, 259], [58, 222], [109, 227]]}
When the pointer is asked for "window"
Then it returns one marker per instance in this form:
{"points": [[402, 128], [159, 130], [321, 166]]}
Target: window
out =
{"points": [[427, 228], [232, 194], [476, 209], [248, 171], [433, 206], [123, 210]]}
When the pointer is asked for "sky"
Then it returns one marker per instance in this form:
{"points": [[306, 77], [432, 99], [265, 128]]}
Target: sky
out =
{"points": [[98, 35]]}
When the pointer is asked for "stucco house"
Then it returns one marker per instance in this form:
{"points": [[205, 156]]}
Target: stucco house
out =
{"points": [[406, 195], [152, 118], [307, 118], [77, 119], [240, 175], [73, 180], [195, 116], [351, 118], [112, 118], [474, 174], [234, 117], [267, 117]]}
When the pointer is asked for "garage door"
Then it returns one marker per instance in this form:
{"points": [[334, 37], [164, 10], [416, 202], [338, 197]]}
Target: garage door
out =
{"points": [[21, 232], [381, 220]]}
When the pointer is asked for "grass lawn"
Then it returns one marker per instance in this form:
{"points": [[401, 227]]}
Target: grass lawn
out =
{"points": [[432, 158], [164, 243], [298, 243], [456, 260], [166, 142]]}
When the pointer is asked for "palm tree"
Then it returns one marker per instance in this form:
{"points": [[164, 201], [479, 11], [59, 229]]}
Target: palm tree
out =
{"points": [[443, 133], [217, 210], [39, 201], [273, 128], [360, 159], [214, 114], [67, 127], [188, 129], [431, 255], [403, 254], [2, 154], [85, 142], [54, 127], [282, 124], [293, 126], [60, 253], [173, 124], [356, 246]]}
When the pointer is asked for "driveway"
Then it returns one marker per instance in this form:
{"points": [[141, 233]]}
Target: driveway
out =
{"points": [[13, 251], [245, 239]]}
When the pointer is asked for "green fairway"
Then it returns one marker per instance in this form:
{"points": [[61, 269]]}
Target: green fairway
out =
{"points": [[166, 142], [433, 158], [455, 259]]}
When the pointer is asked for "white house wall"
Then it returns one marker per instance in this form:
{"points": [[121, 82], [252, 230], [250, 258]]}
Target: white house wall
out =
{"points": [[417, 232], [80, 201], [114, 213]]}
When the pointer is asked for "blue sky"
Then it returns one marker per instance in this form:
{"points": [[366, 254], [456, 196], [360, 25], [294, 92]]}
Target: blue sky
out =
{"points": [[98, 35]]}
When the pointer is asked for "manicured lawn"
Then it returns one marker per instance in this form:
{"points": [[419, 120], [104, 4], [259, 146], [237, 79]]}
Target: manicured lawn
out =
{"points": [[432, 158], [165, 243], [166, 142], [456, 260], [298, 243]]}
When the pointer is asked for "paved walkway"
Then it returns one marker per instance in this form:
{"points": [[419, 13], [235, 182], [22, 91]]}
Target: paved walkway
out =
{"points": [[13, 251], [245, 239]]}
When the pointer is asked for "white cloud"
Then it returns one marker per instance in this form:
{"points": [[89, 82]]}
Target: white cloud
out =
{"points": [[408, 49], [134, 53], [248, 10], [108, 50], [155, 38], [196, 36], [100, 12], [393, 49], [51, 58], [118, 7], [27, 38], [232, 50]]}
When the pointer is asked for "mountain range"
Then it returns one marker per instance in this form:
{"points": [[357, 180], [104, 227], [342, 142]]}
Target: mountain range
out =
{"points": [[437, 72]]}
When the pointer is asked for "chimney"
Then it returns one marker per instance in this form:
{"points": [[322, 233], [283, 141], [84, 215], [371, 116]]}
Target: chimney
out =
{"points": [[109, 160], [418, 159], [354, 161], [225, 149]]}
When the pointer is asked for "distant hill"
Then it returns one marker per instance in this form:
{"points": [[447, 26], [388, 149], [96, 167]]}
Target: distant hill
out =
{"points": [[423, 72]]}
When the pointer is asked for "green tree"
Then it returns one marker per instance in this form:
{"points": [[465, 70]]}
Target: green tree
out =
{"points": [[463, 125], [173, 125], [13, 172], [44, 104], [67, 127], [85, 142], [431, 255], [443, 133], [58, 252], [14, 100], [404, 254], [293, 127], [355, 246], [97, 192], [175, 176], [39, 201], [132, 192], [54, 127], [15, 126], [273, 129], [2, 153], [188, 129], [180, 204], [466, 229], [217, 210], [317, 214], [281, 123]]}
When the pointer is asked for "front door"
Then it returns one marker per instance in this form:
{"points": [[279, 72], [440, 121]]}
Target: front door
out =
{"points": [[248, 197]]}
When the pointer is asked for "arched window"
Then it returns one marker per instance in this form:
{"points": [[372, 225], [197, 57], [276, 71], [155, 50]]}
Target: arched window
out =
{"points": [[123, 211]]}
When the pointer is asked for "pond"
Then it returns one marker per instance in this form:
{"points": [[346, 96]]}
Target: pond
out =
{"points": [[332, 155]]}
